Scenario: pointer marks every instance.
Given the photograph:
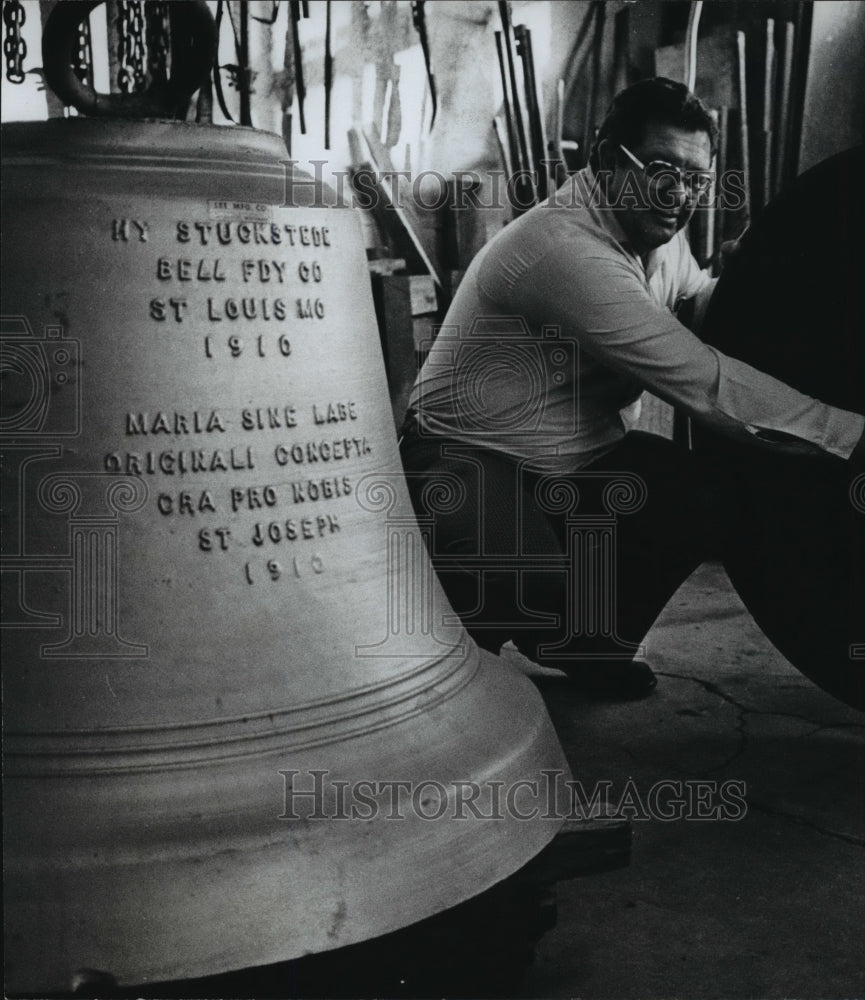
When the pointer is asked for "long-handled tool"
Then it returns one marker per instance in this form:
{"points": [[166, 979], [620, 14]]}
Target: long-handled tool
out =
{"points": [[505, 15], [328, 76], [298, 9], [513, 148], [743, 119], [419, 21], [536, 122]]}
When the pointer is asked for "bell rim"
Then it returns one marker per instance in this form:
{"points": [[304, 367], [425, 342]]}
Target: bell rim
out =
{"points": [[275, 901]]}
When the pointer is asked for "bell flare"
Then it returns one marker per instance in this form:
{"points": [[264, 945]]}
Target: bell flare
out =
{"points": [[179, 872]]}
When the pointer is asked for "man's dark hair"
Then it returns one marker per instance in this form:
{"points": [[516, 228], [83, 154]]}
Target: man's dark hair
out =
{"points": [[658, 101]]}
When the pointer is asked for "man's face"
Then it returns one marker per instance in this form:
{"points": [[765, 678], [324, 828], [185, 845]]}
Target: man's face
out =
{"points": [[651, 212]]}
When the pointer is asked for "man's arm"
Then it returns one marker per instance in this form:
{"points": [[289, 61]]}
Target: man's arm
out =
{"points": [[603, 305]]}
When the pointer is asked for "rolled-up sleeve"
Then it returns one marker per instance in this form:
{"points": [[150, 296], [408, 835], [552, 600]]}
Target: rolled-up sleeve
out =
{"points": [[601, 302]]}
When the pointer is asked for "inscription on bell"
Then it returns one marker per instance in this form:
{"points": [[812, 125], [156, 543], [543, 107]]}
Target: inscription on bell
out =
{"points": [[321, 451], [293, 530], [174, 423], [268, 418], [124, 230], [185, 269], [264, 270], [247, 307], [186, 503], [248, 282], [252, 233], [172, 463], [253, 497], [333, 413]]}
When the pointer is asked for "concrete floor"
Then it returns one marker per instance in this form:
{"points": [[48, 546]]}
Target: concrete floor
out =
{"points": [[771, 905]]}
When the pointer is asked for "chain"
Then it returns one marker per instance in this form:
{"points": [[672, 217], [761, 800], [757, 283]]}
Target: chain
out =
{"points": [[130, 48], [157, 39], [14, 46], [83, 65]]}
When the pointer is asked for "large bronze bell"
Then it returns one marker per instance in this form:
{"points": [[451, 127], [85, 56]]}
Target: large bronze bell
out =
{"points": [[789, 304], [228, 667]]}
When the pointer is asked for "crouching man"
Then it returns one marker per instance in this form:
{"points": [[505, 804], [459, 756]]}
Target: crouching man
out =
{"points": [[563, 529]]}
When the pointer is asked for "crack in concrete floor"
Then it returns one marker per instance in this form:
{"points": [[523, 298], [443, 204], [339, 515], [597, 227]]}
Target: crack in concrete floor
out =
{"points": [[763, 807], [742, 713], [715, 689]]}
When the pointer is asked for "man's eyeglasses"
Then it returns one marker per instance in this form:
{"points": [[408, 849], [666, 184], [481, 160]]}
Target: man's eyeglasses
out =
{"points": [[696, 182]]}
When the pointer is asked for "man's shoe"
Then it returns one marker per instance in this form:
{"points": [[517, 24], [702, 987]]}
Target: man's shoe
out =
{"points": [[613, 680]]}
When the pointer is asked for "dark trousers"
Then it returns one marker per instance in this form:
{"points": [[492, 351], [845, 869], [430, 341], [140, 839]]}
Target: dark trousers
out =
{"points": [[570, 567]]}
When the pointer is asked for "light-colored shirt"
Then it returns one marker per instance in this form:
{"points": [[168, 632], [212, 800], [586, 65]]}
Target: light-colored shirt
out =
{"points": [[557, 328]]}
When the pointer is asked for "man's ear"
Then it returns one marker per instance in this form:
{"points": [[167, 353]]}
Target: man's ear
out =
{"points": [[607, 155]]}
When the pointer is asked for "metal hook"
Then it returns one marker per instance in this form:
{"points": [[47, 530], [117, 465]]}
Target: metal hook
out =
{"points": [[194, 42]]}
